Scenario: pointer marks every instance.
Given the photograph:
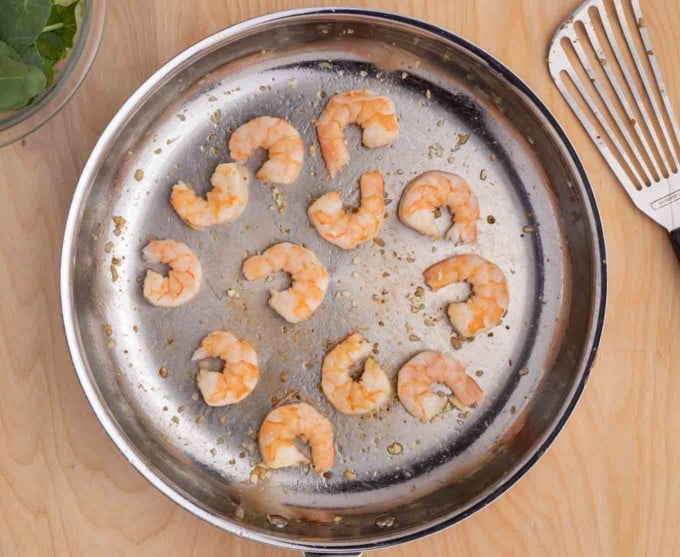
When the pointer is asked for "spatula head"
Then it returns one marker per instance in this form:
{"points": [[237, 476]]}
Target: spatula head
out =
{"points": [[603, 63]]}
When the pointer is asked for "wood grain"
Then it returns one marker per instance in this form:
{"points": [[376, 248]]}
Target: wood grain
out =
{"points": [[609, 486]]}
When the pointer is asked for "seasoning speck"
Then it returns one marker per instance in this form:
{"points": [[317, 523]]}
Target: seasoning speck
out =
{"points": [[108, 330], [463, 138], [523, 371], [114, 273], [163, 372], [280, 199], [139, 174], [395, 449], [350, 474], [491, 219], [216, 116], [479, 373], [379, 241], [436, 150], [456, 344], [527, 228], [483, 174], [108, 246], [385, 521], [119, 223], [428, 94], [222, 420]]}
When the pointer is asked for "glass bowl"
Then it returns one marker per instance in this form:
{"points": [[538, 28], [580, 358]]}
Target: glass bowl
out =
{"points": [[17, 124]]}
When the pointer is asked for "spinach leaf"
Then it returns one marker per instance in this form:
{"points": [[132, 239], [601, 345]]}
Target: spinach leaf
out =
{"points": [[68, 17], [23, 20], [63, 22], [32, 57], [19, 82], [51, 46], [8, 51]]}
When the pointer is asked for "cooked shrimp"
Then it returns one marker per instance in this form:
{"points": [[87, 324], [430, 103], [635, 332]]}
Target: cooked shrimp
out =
{"points": [[349, 229], [431, 190], [283, 424], [489, 299], [224, 203], [376, 116], [346, 394], [239, 375], [420, 373], [309, 279], [279, 138], [183, 280]]}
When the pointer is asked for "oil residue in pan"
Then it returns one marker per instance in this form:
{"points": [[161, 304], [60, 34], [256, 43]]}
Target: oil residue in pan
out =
{"points": [[376, 289]]}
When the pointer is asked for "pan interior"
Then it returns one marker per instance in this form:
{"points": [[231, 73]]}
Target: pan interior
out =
{"points": [[456, 114]]}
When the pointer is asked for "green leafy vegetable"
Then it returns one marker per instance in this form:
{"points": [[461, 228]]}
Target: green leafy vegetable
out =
{"points": [[34, 36], [62, 21], [23, 20], [51, 46], [32, 57], [6, 50], [19, 82]]}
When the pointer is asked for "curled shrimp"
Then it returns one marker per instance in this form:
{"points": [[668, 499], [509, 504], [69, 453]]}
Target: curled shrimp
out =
{"points": [[239, 375], [489, 299], [183, 280], [309, 279], [422, 372], [346, 394], [376, 115], [279, 138], [224, 203], [425, 194], [349, 229], [283, 424]]}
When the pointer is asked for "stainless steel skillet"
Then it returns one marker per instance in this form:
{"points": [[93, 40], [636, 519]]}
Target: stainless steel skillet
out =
{"points": [[395, 478]]}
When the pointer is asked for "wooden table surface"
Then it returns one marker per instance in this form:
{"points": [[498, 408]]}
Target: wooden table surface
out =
{"points": [[610, 485]]}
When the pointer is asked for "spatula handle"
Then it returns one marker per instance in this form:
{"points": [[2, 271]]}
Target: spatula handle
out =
{"points": [[675, 240]]}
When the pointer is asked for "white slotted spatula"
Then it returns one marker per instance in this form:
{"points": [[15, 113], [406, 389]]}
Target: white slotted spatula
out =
{"points": [[603, 63]]}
